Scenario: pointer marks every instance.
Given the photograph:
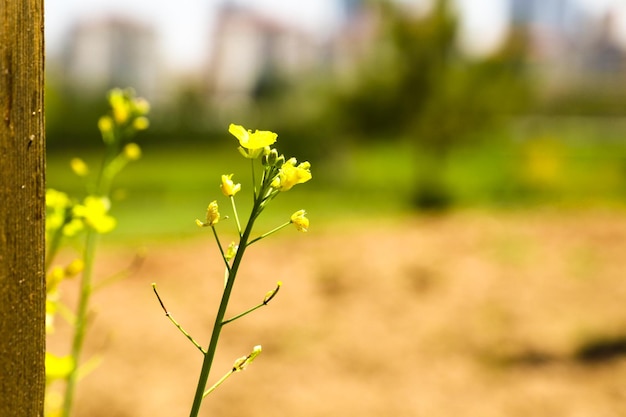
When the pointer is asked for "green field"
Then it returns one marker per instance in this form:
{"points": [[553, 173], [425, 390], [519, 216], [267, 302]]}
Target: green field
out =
{"points": [[169, 187], [164, 192]]}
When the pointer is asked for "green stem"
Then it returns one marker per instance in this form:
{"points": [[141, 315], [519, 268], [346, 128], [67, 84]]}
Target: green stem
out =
{"points": [[268, 297], [81, 319], [274, 230], [240, 315], [217, 327], [218, 383], [254, 190], [219, 245], [232, 201], [174, 322], [86, 288]]}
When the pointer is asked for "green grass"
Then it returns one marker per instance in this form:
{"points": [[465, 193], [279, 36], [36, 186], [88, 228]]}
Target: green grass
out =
{"points": [[162, 194]]}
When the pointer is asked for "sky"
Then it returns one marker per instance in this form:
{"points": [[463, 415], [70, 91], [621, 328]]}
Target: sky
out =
{"points": [[184, 26]]}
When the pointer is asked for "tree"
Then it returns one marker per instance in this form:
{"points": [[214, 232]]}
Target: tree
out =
{"points": [[22, 190], [418, 84]]}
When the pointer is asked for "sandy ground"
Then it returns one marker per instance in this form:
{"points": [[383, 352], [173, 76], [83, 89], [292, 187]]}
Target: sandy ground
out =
{"points": [[471, 314]]}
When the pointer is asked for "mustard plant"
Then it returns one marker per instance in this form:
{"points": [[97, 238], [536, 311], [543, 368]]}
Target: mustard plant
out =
{"points": [[272, 174], [70, 220]]}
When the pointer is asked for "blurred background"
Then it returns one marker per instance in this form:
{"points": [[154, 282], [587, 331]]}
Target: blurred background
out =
{"points": [[497, 103], [472, 154]]}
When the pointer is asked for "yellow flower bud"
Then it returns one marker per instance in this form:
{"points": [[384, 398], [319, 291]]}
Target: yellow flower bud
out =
{"points": [[105, 124], [79, 167], [141, 123], [120, 106], [241, 363], [132, 151], [212, 215], [55, 276], [229, 188], [74, 267], [300, 221], [271, 294], [142, 106]]}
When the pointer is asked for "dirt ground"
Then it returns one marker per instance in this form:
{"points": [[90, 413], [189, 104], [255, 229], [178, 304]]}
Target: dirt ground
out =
{"points": [[471, 314]]}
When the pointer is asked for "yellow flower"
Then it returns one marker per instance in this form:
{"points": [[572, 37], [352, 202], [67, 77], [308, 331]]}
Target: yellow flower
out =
{"points": [[228, 187], [58, 367], [73, 227], [126, 109], [290, 175], [252, 144], [74, 268], [141, 105], [300, 221], [212, 215], [119, 106], [132, 151], [56, 199], [105, 124], [141, 123], [94, 211], [53, 278], [79, 167]]}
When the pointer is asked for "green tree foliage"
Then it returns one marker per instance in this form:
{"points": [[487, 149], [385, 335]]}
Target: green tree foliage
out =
{"points": [[418, 84]]}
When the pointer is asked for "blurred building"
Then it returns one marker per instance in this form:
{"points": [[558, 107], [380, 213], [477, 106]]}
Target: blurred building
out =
{"points": [[112, 52], [359, 26], [568, 46], [253, 53]]}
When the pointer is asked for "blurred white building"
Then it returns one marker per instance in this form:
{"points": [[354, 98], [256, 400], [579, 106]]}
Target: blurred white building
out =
{"points": [[250, 51], [112, 52], [567, 45]]}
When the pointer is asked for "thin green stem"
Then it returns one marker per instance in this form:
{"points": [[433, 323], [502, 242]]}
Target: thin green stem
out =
{"points": [[217, 326], [81, 319], [171, 318], [253, 179], [134, 265], [268, 297], [86, 289], [219, 245], [104, 180], [218, 383], [240, 315], [232, 201], [264, 235]]}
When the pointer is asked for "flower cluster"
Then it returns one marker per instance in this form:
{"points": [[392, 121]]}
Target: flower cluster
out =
{"points": [[279, 174], [68, 217], [94, 212], [291, 174], [127, 116]]}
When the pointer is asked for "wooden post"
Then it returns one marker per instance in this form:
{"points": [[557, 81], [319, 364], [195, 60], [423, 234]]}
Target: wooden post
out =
{"points": [[22, 209]]}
